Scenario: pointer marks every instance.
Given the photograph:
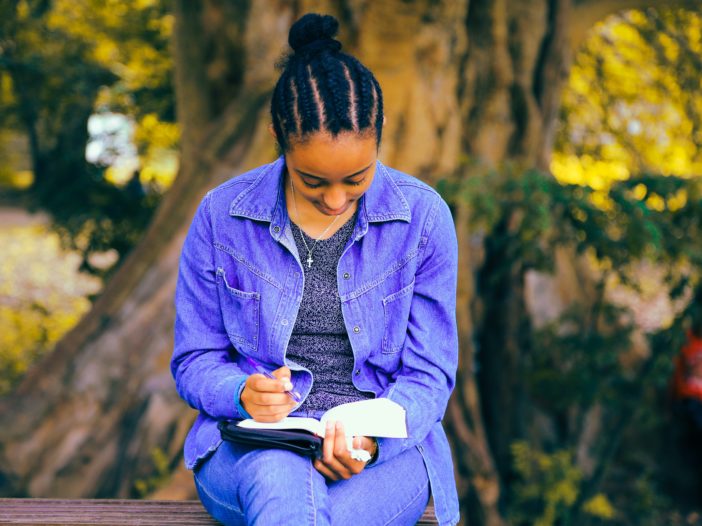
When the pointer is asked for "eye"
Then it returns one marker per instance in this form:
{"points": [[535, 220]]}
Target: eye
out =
{"points": [[310, 185], [358, 182]]}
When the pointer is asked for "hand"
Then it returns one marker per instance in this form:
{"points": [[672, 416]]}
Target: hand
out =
{"points": [[336, 462], [266, 399]]}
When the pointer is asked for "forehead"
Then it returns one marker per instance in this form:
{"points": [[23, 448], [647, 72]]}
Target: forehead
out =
{"points": [[322, 155]]}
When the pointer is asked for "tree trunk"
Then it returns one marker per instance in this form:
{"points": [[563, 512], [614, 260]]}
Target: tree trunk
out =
{"points": [[480, 78], [85, 421]]}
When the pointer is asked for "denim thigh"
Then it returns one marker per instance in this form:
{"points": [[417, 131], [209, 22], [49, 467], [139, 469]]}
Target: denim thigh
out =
{"points": [[395, 492], [240, 485]]}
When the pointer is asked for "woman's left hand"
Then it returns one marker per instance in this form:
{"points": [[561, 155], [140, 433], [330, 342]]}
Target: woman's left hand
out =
{"points": [[336, 462]]}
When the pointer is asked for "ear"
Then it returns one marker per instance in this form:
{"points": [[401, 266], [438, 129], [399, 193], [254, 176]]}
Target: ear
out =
{"points": [[271, 130]]}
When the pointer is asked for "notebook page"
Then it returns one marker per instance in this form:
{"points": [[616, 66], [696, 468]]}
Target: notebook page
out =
{"points": [[308, 424], [376, 417]]}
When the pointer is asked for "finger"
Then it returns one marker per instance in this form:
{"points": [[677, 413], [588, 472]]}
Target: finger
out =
{"points": [[341, 449], [345, 464], [337, 470], [368, 444], [268, 409], [273, 399], [324, 470], [339, 460], [284, 375], [328, 443], [276, 417], [258, 382], [329, 460], [282, 372], [268, 413]]}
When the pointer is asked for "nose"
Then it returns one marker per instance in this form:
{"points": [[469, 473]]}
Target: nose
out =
{"points": [[335, 198]]}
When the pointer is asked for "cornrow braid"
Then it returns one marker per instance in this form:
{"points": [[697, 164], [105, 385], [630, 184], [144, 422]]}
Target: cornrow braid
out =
{"points": [[322, 89], [276, 106], [287, 122], [306, 107], [336, 95], [353, 97], [317, 96], [367, 102], [296, 114], [378, 109]]}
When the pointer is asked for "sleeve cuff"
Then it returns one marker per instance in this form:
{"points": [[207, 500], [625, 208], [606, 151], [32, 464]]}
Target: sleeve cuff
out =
{"points": [[224, 402], [239, 407]]}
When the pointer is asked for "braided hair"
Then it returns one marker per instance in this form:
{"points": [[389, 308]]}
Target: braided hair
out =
{"points": [[323, 89]]}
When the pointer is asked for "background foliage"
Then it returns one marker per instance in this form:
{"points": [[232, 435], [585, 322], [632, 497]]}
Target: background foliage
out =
{"points": [[63, 62], [625, 197]]}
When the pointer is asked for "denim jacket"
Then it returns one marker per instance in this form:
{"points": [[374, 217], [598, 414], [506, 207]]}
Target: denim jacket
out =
{"points": [[240, 286]]}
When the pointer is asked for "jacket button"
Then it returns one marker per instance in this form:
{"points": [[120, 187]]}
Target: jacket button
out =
{"points": [[284, 322], [276, 229], [347, 275], [356, 329]]}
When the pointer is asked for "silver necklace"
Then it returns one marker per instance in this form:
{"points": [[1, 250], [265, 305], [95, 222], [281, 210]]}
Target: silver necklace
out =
{"points": [[309, 259]]}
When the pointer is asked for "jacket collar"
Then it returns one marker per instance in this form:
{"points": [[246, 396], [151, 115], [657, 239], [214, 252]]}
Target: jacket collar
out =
{"points": [[264, 198]]}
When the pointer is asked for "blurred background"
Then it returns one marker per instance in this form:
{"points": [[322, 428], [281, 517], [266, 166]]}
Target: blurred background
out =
{"points": [[565, 135]]}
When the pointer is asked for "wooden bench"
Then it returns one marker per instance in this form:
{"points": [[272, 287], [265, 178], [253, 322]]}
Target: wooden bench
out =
{"points": [[113, 512]]}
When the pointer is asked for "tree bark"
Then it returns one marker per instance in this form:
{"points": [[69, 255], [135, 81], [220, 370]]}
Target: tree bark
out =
{"points": [[85, 420], [478, 79]]}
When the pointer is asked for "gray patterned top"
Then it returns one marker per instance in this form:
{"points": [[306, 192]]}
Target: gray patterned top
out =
{"points": [[319, 340]]}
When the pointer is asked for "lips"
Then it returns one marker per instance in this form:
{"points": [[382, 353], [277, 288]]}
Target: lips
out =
{"points": [[334, 212]]}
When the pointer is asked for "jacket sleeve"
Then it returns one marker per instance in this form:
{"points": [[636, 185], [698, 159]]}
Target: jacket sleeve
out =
{"points": [[430, 353], [205, 374]]}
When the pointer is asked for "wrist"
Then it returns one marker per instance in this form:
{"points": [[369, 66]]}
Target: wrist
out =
{"points": [[373, 451]]}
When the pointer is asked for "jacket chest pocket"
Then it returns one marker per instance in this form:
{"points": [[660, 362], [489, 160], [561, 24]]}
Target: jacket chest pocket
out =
{"points": [[396, 310], [240, 313]]}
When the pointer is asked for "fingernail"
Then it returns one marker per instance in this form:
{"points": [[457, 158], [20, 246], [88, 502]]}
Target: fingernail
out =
{"points": [[329, 426], [287, 386]]}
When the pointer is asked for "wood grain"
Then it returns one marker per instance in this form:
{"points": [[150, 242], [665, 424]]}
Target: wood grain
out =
{"points": [[115, 512]]}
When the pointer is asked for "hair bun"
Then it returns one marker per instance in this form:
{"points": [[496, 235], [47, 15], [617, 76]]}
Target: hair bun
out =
{"points": [[314, 33]]}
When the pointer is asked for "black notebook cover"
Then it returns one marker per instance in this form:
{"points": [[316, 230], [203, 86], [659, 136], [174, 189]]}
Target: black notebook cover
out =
{"points": [[298, 441]]}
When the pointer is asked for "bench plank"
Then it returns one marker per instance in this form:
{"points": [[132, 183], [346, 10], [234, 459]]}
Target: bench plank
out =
{"points": [[109, 512], [116, 512]]}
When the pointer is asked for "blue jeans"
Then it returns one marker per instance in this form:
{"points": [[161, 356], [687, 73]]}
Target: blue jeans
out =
{"points": [[240, 485]]}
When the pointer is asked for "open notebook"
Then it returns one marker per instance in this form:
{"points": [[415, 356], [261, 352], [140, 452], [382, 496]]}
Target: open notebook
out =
{"points": [[376, 417]]}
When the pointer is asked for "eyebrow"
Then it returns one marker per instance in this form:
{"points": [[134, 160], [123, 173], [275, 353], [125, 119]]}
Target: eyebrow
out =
{"points": [[323, 179]]}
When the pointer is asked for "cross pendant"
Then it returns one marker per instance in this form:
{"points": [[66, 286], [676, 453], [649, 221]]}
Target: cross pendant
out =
{"points": [[309, 261]]}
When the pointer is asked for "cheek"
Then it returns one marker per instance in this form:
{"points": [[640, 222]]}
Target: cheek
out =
{"points": [[356, 194]]}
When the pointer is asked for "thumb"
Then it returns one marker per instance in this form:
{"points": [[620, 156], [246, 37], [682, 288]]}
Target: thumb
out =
{"points": [[283, 374]]}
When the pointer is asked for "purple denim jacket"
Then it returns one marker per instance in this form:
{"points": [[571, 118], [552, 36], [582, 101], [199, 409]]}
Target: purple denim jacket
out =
{"points": [[239, 289]]}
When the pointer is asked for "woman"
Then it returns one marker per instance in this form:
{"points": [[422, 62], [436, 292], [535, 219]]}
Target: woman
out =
{"points": [[337, 274]]}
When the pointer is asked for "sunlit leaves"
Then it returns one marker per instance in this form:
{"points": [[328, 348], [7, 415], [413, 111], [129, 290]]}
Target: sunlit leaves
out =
{"points": [[131, 39], [547, 487], [41, 297], [633, 102], [157, 140]]}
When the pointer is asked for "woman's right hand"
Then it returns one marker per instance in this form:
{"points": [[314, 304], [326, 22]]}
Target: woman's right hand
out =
{"points": [[267, 400]]}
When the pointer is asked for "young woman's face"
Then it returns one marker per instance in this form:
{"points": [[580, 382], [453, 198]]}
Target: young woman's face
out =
{"points": [[332, 173]]}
